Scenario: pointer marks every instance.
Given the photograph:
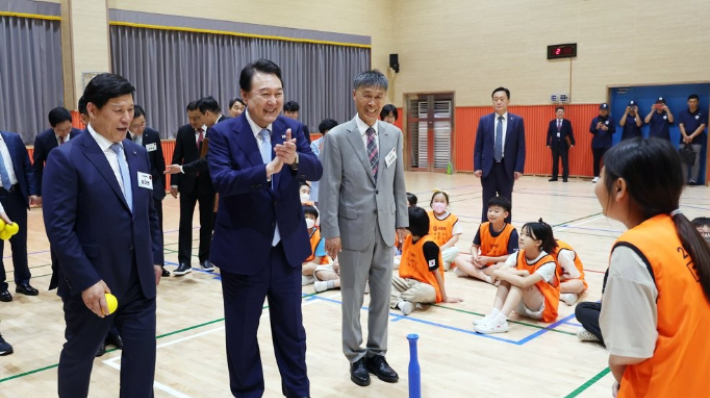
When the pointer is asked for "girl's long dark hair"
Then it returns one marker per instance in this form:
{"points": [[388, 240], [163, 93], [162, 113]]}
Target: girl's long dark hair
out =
{"points": [[541, 230]]}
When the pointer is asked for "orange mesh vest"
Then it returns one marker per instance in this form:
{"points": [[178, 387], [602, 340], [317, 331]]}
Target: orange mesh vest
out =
{"points": [[315, 240], [681, 363], [494, 246], [441, 230], [415, 266], [577, 261], [550, 290]]}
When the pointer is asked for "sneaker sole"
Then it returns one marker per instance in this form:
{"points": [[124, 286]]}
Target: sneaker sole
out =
{"points": [[181, 273], [6, 353], [490, 331]]}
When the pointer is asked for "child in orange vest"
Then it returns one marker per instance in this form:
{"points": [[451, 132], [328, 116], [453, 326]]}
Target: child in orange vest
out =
{"points": [[318, 255], [495, 241], [420, 280], [571, 271], [444, 227], [656, 311], [529, 285]]}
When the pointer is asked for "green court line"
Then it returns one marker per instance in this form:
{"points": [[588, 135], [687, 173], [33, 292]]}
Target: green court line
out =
{"points": [[515, 322], [31, 372], [588, 383]]}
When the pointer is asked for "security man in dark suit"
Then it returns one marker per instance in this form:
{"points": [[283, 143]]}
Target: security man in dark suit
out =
{"points": [[603, 127], [150, 140], [560, 139]]}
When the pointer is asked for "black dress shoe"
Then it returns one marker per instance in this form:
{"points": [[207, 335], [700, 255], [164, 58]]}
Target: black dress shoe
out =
{"points": [[114, 340], [26, 289], [5, 296], [378, 366], [564, 180], [359, 374], [552, 179], [165, 272], [182, 269], [102, 350], [207, 265], [5, 348]]}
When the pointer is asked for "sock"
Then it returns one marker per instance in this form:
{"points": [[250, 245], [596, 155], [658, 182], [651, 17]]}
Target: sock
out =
{"points": [[330, 285]]}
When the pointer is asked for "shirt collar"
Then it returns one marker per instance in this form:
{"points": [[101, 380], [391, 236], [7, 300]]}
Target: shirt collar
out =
{"points": [[104, 144], [255, 128], [505, 116], [65, 138], [362, 126]]}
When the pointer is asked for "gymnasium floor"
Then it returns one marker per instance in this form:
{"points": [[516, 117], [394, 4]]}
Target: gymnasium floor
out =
{"points": [[531, 360]]}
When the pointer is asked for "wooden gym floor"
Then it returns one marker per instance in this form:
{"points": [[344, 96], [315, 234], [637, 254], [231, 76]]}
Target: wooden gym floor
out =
{"points": [[531, 360]]}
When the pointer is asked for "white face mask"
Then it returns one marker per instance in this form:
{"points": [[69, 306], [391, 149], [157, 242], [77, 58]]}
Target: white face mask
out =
{"points": [[310, 223], [439, 207], [305, 197]]}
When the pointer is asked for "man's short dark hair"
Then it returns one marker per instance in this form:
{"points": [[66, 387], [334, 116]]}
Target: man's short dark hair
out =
{"points": [[291, 106], [503, 89], [138, 111], [208, 104], [106, 86], [500, 201], [81, 106], [562, 108], [701, 222], [370, 78], [326, 125], [694, 96], [59, 115], [193, 106], [263, 66], [235, 100], [387, 109]]}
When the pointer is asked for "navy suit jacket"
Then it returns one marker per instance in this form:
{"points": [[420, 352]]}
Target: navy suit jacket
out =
{"points": [[21, 165], [45, 142], [514, 151], [157, 160], [602, 138], [249, 207], [90, 227], [565, 131]]}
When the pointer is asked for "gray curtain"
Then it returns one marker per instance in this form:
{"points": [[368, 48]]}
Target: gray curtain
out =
{"points": [[31, 82], [171, 68]]}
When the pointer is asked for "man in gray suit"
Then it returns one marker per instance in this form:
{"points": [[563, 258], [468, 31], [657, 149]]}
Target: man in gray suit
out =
{"points": [[362, 200]]}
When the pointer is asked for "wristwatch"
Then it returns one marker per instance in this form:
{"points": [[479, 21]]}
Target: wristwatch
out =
{"points": [[294, 166]]}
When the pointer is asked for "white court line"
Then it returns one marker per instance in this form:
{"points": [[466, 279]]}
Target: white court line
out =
{"points": [[112, 361], [579, 223]]}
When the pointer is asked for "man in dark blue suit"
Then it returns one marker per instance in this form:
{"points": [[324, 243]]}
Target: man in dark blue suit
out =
{"points": [[603, 127], [16, 186], [260, 239], [560, 139], [102, 224], [499, 153]]}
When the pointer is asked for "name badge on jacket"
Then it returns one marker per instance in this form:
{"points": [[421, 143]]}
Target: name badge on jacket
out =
{"points": [[391, 157], [145, 180], [151, 147]]}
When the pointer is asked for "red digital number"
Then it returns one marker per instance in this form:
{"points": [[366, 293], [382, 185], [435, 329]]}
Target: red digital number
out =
{"points": [[558, 51]]}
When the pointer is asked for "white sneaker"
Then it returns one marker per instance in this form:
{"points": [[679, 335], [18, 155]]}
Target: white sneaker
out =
{"points": [[595, 180], [497, 324], [480, 321], [459, 273], [307, 280], [569, 298], [447, 266], [406, 307], [320, 286], [585, 335]]}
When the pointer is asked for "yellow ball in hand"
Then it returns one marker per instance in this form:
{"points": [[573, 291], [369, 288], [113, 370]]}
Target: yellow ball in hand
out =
{"points": [[111, 303], [12, 228], [2, 225], [5, 234]]}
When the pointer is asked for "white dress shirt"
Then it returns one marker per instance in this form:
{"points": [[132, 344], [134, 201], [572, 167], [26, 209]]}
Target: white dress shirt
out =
{"points": [[362, 127], [559, 127], [111, 156], [7, 159], [505, 129], [66, 139], [138, 139], [197, 134]]}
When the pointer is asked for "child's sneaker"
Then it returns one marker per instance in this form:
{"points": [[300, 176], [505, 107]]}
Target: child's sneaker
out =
{"points": [[320, 286], [496, 324], [307, 280], [569, 298], [585, 335], [595, 179], [406, 307]]}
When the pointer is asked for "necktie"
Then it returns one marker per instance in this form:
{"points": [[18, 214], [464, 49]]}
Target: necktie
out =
{"points": [[125, 176], [499, 140], [559, 125], [200, 138], [4, 176], [265, 150], [61, 140], [372, 152]]}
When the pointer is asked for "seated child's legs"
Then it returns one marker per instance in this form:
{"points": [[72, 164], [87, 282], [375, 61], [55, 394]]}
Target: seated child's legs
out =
{"points": [[399, 285], [397, 260], [325, 272], [420, 292], [464, 267], [575, 286], [532, 304], [449, 255], [308, 269]]}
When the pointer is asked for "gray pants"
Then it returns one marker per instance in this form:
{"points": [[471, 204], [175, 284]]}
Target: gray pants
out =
{"points": [[356, 267], [695, 167]]}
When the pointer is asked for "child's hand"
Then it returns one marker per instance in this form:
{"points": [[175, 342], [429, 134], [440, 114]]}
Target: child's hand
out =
{"points": [[453, 300]]}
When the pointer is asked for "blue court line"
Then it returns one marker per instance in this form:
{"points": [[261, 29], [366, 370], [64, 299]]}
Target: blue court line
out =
{"points": [[398, 317], [573, 324]]}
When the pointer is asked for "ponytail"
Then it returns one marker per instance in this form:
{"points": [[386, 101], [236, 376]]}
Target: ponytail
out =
{"points": [[696, 247]]}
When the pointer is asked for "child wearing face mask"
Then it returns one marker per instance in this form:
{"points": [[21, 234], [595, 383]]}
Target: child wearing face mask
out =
{"points": [[318, 255], [304, 190], [444, 227]]}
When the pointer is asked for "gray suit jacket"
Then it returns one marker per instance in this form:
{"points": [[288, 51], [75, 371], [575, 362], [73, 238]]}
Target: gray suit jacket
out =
{"points": [[350, 201]]}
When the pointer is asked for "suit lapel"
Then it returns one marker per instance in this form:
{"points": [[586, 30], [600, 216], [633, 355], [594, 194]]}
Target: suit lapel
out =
{"points": [[98, 159], [11, 150], [277, 139], [247, 142], [385, 148], [133, 165], [355, 140], [509, 129]]}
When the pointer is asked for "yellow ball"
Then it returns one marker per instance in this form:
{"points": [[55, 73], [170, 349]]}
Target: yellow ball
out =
{"points": [[2, 225], [5, 234], [111, 303], [12, 228]]}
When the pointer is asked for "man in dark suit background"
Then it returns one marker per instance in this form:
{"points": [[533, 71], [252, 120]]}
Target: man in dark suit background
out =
{"points": [[260, 238], [499, 152], [193, 188], [17, 184], [101, 222], [560, 139], [150, 140], [292, 110]]}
